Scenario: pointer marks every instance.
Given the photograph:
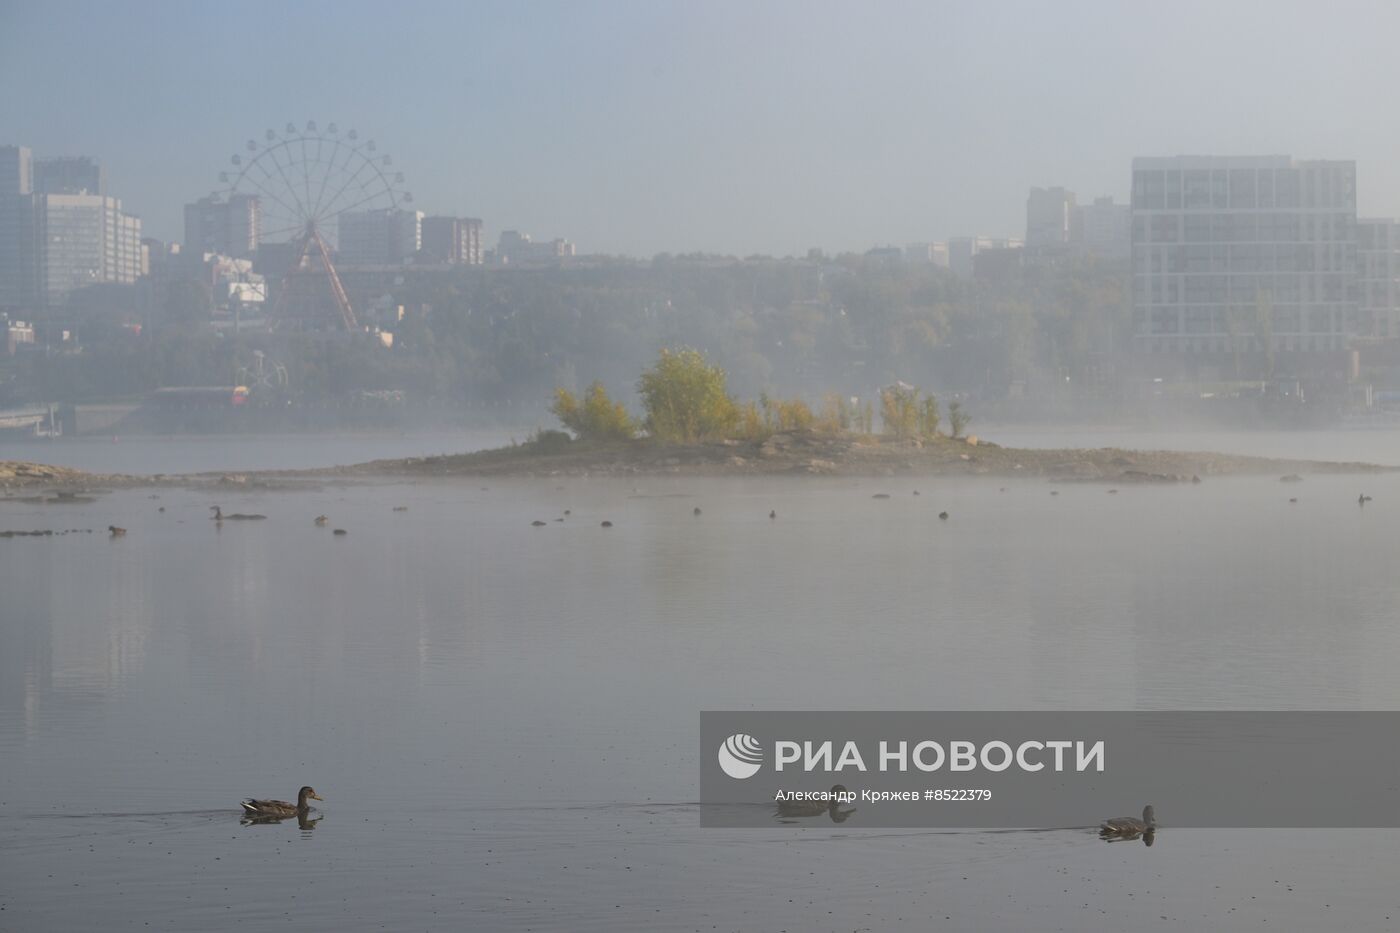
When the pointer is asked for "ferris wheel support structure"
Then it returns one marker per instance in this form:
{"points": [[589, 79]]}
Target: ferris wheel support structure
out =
{"points": [[312, 238]]}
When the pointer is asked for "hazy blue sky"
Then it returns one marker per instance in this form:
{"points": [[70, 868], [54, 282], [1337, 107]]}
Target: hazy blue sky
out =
{"points": [[719, 126]]}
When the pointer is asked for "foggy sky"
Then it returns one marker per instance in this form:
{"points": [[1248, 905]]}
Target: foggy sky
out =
{"points": [[736, 127]]}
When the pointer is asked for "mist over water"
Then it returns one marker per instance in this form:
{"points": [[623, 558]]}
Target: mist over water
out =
{"points": [[502, 717]]}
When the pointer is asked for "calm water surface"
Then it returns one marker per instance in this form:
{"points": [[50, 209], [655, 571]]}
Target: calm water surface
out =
{"points": [[148, 454], [1371, 445], [503, 718]]}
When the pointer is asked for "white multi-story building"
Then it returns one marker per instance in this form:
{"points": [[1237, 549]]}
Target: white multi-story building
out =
{"points": [[1233, 253], [83, 239], [59, 231], [379, 238], [1378, 285], [516, 248]]}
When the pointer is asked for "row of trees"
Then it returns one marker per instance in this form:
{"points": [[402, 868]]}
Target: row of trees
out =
{"points": [[782, 327], [907, 412], [686, 400]]}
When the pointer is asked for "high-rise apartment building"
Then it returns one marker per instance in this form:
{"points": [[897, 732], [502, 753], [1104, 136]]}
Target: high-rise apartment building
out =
{"points": [[1050, 218], [1243, 253], [1378, 286], [454, 240], [59, 231], [69, 175], [379, 238], [227, 228], [84, 239], [16, 170]]}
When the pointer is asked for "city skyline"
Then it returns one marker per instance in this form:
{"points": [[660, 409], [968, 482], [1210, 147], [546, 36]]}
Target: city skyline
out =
{"points": [[645, 128]]}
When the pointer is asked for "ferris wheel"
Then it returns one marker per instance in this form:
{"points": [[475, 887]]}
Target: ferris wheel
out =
{"points": [[306, 180]]}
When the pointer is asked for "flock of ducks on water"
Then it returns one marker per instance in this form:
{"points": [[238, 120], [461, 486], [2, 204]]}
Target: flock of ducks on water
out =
{"points": [[219, 516], [1116, 829]]}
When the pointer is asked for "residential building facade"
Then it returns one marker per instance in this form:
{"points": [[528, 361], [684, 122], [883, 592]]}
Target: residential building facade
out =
{"points": [[452, 240], [85, 239], [379, 238], [516, 248]]}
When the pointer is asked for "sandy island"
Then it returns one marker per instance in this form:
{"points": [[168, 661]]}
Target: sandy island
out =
{"points": [[795, 454]]}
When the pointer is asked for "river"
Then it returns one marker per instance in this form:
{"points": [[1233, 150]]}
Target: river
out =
{"points": [[502, 718]]}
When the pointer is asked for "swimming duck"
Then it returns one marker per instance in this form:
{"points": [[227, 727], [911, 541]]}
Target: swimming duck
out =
{"points": [[254, 808], [235, 517], [115, 531], [812, 807], [1129, 826], [943, 515], [607, 524], [1362, 499], [320, 521], [538, 524]]}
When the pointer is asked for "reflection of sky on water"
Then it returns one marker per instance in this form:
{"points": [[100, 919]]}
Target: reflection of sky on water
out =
{"points": [[454, 657]]}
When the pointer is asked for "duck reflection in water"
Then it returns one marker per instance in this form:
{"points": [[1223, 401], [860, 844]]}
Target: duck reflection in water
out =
{"points": [[788, 810], [305, 821]]}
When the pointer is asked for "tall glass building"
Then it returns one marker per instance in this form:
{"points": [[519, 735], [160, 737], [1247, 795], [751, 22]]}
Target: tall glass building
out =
{"points": [[1248, 253]]}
